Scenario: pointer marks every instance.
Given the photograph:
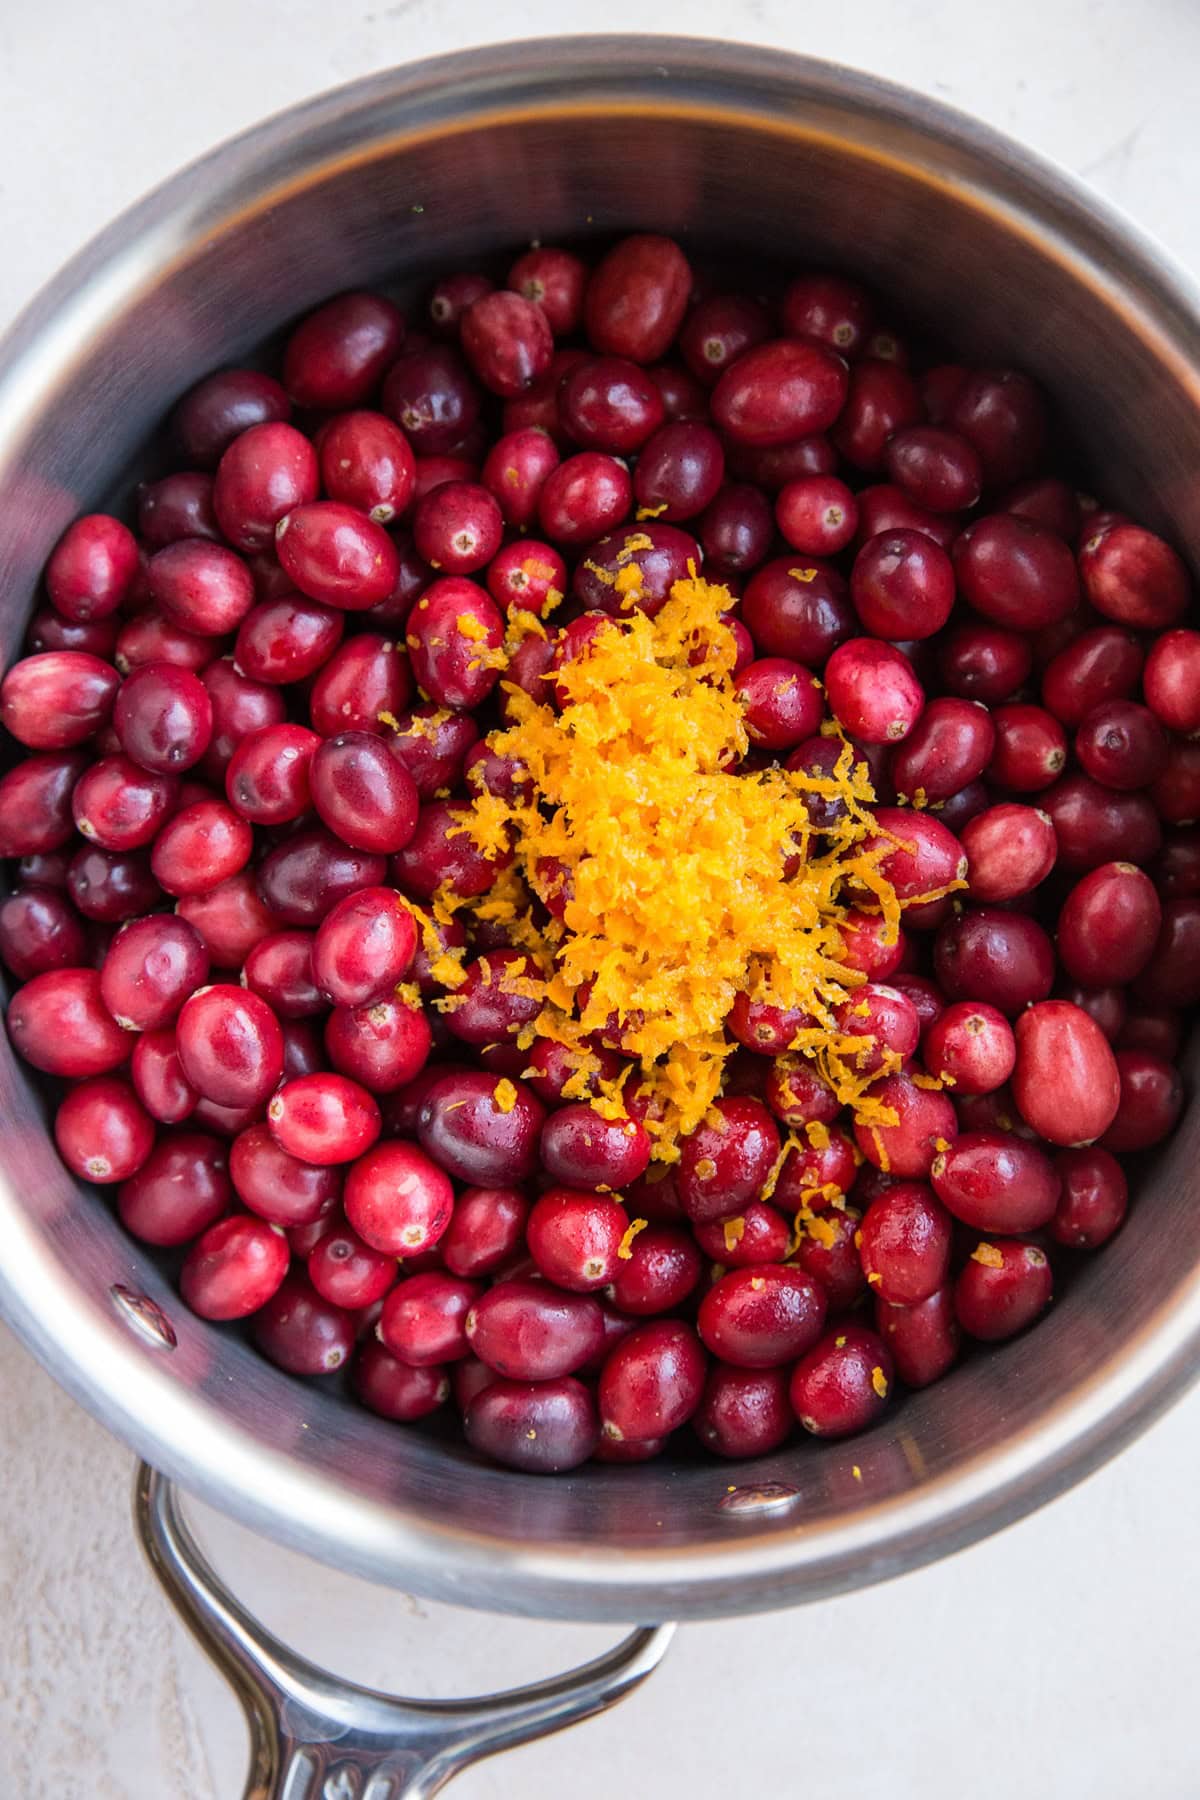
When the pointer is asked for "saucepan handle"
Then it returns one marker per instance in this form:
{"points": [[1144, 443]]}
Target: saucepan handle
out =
{"points": [[314, 1736]]}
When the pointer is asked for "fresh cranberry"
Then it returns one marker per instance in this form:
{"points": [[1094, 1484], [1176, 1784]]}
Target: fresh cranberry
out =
{"points": [[323, 1118], [302, 1330], [39, 930], [843, 1383], [230, 1045], [996, 1181], [902, 585], [163, 717], [531, 1331], [102, 1131], [798, 611], [486, 1229], [423, 1321], [869, 944], [744, 1412], [984, 662], [924, 1121], [652, 1382], [151, 968], [817, 514], [234, 1267], [881, 398], [555, 281], [1121, 745], [1010, 849], [394, 1389], [337, 355], [584, 497], [478, 1135], [873, 691], [1109, 925], [231, 918], [508, 342], [904, 1242], [1015, 572], [680, 470], [158, 1078], [49, 630], [538, 1427], [58, 699], [180, 1190], [279, 1187], [1002, 1289], [779, 391], [581, 1149], [1150, 1104], [1134, 577], [367, 464], [829, 309], [972, 1045], [950, 746], [1096, 667], [441, 854], [431, 395], [178, 506], [936, 468], [1171, 680], [884, 508], [762, 1317], [884, 1024], [222, 406], [1004, 415], [1095, 824], [92, 568], [782, 704], [383, 1045], [454, 637], [515, 471], [35, 804], [1093, 1201], [109, 886], [59, 1023], [924, 1339], [310, 872], [636, 298], [999, 957], [199, 847]]}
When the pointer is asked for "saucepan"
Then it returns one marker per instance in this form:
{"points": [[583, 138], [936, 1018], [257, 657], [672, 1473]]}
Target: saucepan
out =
{"points": [[747, 152]]}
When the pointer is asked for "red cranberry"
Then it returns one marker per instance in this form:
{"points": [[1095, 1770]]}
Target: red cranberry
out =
{"points": [[363, 947], [234, 1267], [555, 281], [763, 1317], [902, 585], [180, 1190], [301, 1330], [515, 471], [744, 1412], [657, 555], [996, 1181], [59, 1023], [508, 342], [109, 887], [924, 1121], [680, 470], [984, 662], [58, 699], [1000, 957], [1150, 1104], [337, 556], [735, 530], [1015, 572], [323, 1118], [884, 1022], [610, 404], [925, 859], [817, 514], [881, 398], [873, 691], [720, 329], [949, 747], [657, 1271], [223, 406], [531, 1331], [581, 1149], [1010, 849], [431, 395], [158, 1078], [310, 872], [1095, 824], [1095, 667], [35, 804], [454, 636], [1121, 745], [934, 467], [905, 1242], [636, 298], [1004, 415], [39, 930], [1171, 680], [1094, 1198], [486, 1229], [762, 1027], [383, 1046], [780, 391], [799, 612], [869, 945], [441, 854], [1134, 577], [230, 1045], [92, 568], [367, 464], [339, 353], [120, 806], [923, 1339], [972, 1044], [781, 701], [829, 309], [178, 506], [652, 1382], [584, 497], [463, 1125], [163, 717], [842, 1385], [538, 1427], [231, 919], [1002, 1289], [199, 847], [151, 968], [279, 1187], [885, 508], [394, 1389], [423, 1321], [102, 1131], [48, 630], [363, 794], [1031, 749], [723, 1166], [1108, 925]]}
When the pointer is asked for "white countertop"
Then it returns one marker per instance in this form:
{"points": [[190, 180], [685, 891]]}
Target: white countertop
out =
{"points": [[1055, 1660]]}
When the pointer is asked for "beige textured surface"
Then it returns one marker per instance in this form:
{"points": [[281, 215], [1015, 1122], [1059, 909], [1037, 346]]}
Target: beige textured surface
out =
{"points": [[1055, 1661]]}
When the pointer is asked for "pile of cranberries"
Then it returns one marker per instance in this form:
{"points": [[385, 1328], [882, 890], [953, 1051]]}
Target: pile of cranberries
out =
{"points": [[249, 721]]}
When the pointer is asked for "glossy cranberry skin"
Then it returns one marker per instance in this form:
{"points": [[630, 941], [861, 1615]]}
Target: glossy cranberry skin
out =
{"points": [[508, 342], [230, 1045], [531, 1331], [347, 1273], [383, 1045], [152, 967], [462, 1126], [48, 630], [743, 1412], [337, 556], [222, 406], [766, 1029], [924, 858], [636, 298], [1121, 745], [880, 399], [485, 1230], [779, 391], [267, 781], [1002, 1289], [984, 662], [240, 705], [782, 702], [884, 508], [440, 855], [202, 588], [680, 470], [554, 280], [231, 919], [1176, 790], [718, 330], [843, 1384], [163, 717], [35, 804], [736, 530], [762, 1317], [179, 1191], [1096, 668], [1150, 1105], [59, 1023], [1094, 1197], [432, 745], [652, 1382], [583, 498], [902, 585], [39, 930], [367, 464], [936, 468], [92, 568], [310, 872], [537, 1427], [233, 1268], [996, 1181], [454, 635], [905, 1241], [797, 610], [1171, 680], [158, 1078], [1031, 749], [1010, 850], [431, 394], [515, 471], [57, 699], [323, 1118], [120, 806], [302, 1330], [1015, 572], [363, 794], [1095, 824], [178, 506], [924, 1339], [658, 553], [363, 947], [102, 1131], [817, 514], [424, 1318], [1109, 925], [394, 1389], [1002, 958], [925, 1119], [199, 847], [873, 691], [263, 474], [1134, 577], [973, 1044], [276, 1186], [869, 945], [1004, 415], [582, 1150], [949, 747], [337, 355], [657, 1271], [610, 404], [489, 1007], [829, 309], [884, 1022], [722, 1169], [110, 886]]}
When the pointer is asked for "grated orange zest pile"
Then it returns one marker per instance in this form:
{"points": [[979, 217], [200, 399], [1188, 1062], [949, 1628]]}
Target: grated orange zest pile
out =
{"points": [[687, 883]]}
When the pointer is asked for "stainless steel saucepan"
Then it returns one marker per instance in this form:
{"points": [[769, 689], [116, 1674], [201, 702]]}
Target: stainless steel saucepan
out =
{"points": [[391, 179]]}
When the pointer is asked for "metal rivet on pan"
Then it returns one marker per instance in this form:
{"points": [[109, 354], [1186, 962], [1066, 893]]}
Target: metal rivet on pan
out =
{"points": [[146, 1317], [770, 1496]]}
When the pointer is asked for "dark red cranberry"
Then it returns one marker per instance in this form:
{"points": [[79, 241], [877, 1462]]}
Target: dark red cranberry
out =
{"points": [[178, 506], [924, 1120], [432, 396], [180, 1190], [636, 298], [163, 717], [762, 1317], [279, 1187], [1003, 958], [463, 1124], [39, 930], [584, 497], [656, 556], [110, 886], [934, 467], [826, 1251], [267, 780], [338, 355], [199, 847], [735, 530], [1121, 745], [363, 794], [1047, 501], [240, 705], [815, 1177], [336, 555], [347, 1272], [1004, 415], [458, 527], [723, 1166], [310, 872], [744, 1412], [984, 662], [1176, 790], [760, 1026], [1031, 749], [884, 508], [35, 804], [58, 699], [394, 1389], [302, 1330], [779, 391], [884, 1023], [881, 398], [680, 470], [1150, 1105], [950, 747], [1096, 667], [49, 630], [657, 1270], [610, 404], [367, 464], [383, 1045], [538, 1427], [432, 744], [924, 1339], [92, 568], [102, 1131], [1093, 1201], [830, 309], [581, 1149], [1002, 1289], [797, 610], [652, 1382], [508, 342], [423, 1321], [222, 406], [782, 702], [120, 806], [1109, 925], [441, 854], [817, 514], [554, 280], [1134, 577], [1096, 824], [532, 1331], [158, 1078], [996, 1181], [718, 330], [1015, 573], [153, 965], [905, 1242], [515, 471], [842, 1385], [451, 297], [234, 1267], [486, 1229], [902, 585], [501, 992]]}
